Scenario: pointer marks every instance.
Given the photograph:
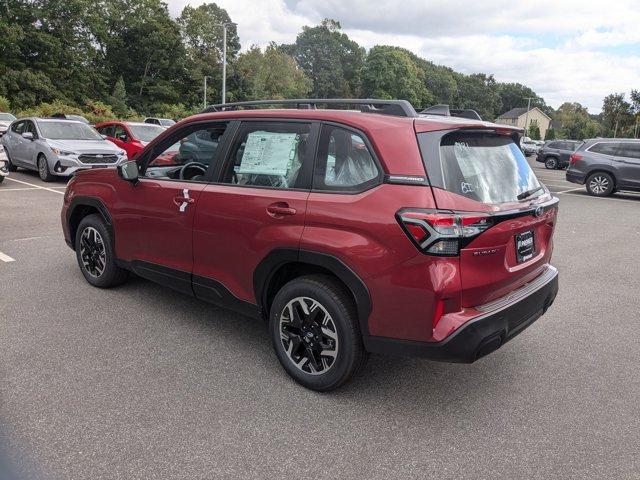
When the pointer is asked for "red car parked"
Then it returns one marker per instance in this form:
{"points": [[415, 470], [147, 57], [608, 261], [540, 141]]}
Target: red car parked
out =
{"points": [[133, 137], [351, 231]]}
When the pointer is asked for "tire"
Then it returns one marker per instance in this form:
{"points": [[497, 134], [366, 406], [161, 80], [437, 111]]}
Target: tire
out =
{"points": [[1, 179], [551, 163], [600, 184], [330, 325], [43, 169], [96, 255], [10, 166]]}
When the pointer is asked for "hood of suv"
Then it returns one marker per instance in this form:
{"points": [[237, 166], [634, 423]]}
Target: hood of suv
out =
{"points": [[85, 146]]}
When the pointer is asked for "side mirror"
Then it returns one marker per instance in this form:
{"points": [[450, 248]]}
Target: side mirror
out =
{"points": [[122, 138], [129, 171], [27, 135]]}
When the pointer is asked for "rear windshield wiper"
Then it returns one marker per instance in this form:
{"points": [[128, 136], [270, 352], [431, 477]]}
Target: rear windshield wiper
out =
{"points": [[528, 193]]}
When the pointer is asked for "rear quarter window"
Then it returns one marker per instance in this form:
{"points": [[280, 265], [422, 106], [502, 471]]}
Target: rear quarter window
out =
{"points": [[608, 148]]}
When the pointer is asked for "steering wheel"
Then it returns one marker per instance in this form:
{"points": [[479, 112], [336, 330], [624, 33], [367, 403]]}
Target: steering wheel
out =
{"points": [[195, 165]]}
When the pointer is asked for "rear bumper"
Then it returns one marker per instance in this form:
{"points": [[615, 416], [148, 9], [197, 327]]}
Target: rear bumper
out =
{"points": [[500, 321], [575, 177]]}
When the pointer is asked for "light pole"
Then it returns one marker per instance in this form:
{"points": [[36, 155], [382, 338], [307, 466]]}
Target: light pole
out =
{"points": [[526, 118], [224, 59], [205, 90]]}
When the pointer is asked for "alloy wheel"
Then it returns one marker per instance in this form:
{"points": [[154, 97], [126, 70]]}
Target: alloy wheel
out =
{"points": [[551, 163], [42, 169], [309, 335], [93, 252], [599, 184]]}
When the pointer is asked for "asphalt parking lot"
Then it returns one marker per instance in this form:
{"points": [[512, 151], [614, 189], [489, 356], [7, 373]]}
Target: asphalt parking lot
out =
{"points": [[143, 382]]}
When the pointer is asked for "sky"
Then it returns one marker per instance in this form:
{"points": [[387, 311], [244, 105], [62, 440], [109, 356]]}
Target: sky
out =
{"points": [[565, 50]]}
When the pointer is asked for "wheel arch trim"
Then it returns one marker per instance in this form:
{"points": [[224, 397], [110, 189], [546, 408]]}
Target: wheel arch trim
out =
{"points": [[82, 201], [280, 257]]}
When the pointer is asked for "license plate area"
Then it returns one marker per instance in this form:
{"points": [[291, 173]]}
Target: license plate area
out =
{"points": [[525, 246]]}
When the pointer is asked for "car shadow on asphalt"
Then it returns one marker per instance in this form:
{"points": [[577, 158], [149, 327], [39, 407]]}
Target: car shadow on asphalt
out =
{"points": [[415, 381]]}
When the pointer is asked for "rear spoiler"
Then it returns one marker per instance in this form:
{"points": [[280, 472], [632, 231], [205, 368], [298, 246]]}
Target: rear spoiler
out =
{"points": [[445, 111]]}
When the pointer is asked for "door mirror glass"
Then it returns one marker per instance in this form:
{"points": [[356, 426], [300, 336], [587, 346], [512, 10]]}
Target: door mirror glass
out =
{"points": [[122, 137], [27, 135], [129, 171]]}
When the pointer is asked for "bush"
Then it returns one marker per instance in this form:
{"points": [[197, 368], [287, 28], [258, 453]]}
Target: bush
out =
{"points": [[5, 105], [174, 111]]}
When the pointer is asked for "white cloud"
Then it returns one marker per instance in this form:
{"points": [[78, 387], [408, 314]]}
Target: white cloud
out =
{"points": [[566, 51]]}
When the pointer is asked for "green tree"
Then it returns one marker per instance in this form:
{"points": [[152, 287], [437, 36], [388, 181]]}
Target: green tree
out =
{"points": [[118, 99], [202, 32], [330, 59], [617, 116], [513, 95], [480, 93], [551, 134], [534, 130], [575, 121], [270, 74], [5, 105], [389, 72]]}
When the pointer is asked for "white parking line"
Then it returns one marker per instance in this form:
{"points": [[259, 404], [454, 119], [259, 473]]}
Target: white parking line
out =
{"points": [[570, 190], [35, 186], [17, 189], [627, 200], [6, 258]]}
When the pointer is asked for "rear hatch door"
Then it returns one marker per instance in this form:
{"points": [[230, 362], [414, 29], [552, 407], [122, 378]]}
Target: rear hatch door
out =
{"points": [[484, 171]]}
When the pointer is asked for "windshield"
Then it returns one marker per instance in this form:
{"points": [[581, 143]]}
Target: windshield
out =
{"points": [[146, 132], [68, 131], [485, 167], [7, 116], [166, 122]]}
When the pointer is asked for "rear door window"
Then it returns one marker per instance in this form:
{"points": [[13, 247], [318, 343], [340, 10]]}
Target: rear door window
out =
{"points": [[487, 168]]}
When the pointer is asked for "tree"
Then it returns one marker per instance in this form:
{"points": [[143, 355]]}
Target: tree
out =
{"points": [[513, 95], [118, 98], [330, 59], [272, 74], [534, 130], [551, 134], [575, 121], [390, 73], [480, 93], [202, 32], [617, 118]]}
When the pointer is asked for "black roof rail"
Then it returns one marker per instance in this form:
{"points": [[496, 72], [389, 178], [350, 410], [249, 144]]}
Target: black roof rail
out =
{"points": [[445, 111], [399, 108]]}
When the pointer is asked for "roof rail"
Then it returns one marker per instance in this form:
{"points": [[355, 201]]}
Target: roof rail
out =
{"points": [[445, 111], [400, 108]]}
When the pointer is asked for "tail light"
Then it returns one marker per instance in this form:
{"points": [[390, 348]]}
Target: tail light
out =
{"points": [[442, 233], [574, 158]]}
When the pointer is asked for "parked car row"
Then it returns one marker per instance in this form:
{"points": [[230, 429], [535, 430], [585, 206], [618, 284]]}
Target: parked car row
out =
{"points": [[57, 147], [555, 154], [606, 165]]}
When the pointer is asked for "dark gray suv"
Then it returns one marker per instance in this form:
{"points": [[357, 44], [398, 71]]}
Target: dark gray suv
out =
{"points": [[606, 165], [555, 153]]}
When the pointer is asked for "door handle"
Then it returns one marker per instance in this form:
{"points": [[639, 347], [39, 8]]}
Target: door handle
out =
{"points": [[280, 209], [183, 200]]}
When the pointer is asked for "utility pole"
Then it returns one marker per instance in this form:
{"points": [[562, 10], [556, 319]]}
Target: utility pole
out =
{"points": [[224, 59], [526, 118], [205, 90]]}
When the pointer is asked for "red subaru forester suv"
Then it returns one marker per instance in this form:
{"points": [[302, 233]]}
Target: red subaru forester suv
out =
{"points": [[360, 228]]}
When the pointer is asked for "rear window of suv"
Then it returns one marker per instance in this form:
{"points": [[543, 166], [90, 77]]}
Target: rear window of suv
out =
{"points": [[487, 168]]}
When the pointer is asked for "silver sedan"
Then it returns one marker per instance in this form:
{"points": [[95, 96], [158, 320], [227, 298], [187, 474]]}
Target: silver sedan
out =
{"points": [[55, 147]]}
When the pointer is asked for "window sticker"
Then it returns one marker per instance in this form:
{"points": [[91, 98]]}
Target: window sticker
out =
{"points": [[268, 153]]}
